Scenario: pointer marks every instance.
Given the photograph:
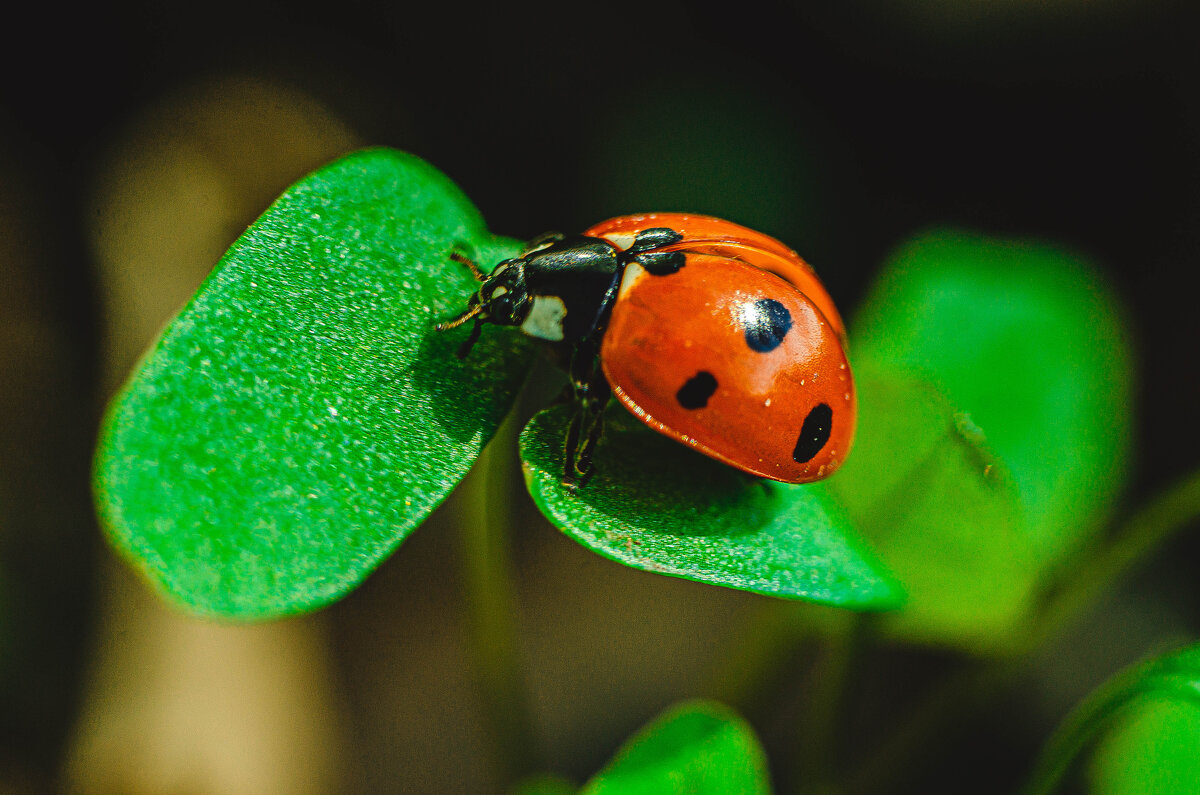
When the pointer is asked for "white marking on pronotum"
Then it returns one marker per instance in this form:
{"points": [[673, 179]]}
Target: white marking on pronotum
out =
{"points": [[545, 320], [499, 291], [622, 240], [633, 273]]}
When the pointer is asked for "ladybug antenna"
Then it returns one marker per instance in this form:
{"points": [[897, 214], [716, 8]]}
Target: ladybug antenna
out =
{"points": [[463, 259], [458, 321]]}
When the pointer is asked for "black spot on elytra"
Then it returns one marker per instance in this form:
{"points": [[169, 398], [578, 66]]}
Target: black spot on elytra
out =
{"points": [[661, 263], [767, 323], [696, 392], [814, 433]]}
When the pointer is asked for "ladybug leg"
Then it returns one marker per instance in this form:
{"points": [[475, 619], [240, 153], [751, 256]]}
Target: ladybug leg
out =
{"points": [[590, 395], [597, 404], [587, 424], [473, 337], [570, 477], [472, 313]]}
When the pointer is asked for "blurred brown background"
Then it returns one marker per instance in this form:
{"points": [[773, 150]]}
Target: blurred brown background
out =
{"points": [[137, 142]]}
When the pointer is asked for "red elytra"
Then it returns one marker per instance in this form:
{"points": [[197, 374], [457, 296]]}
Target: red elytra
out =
{"points": [[740, 354]]}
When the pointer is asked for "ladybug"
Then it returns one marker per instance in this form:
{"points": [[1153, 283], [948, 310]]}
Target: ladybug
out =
{"points": [[709, 332]]}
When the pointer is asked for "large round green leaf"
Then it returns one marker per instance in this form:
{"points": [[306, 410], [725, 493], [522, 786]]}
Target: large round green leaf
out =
{"points": [[300, 416], [1026, 340], [655, 505], [994, 385], [942, 510]]}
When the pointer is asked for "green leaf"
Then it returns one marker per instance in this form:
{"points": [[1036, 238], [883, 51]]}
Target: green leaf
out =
{"points": [[657, 506], [1153, 710], [696, 747], [994, 381], [941, 508], [300, 416], [1025, 339], [1155, 748]]}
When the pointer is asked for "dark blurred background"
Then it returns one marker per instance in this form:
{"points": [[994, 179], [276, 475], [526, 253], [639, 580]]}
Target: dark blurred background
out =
{"points": [[137, 142]]}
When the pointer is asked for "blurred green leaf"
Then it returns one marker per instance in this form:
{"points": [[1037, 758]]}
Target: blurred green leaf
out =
{"points": [[657, 506], [1025, 339], [696, 747], [300, 417], [942, 509], [995, 382], [1153, 712], [1154, 749]]}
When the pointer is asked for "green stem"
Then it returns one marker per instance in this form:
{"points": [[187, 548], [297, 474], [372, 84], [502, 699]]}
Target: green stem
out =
{"points": [[1140, 536], [820, 733], [486, 524]]}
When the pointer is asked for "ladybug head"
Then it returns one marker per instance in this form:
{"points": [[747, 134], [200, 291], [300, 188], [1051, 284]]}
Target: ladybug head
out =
{"points": [[502, 299]]}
